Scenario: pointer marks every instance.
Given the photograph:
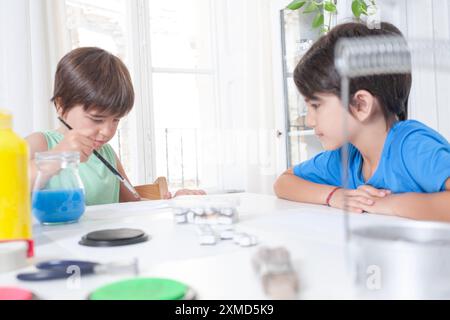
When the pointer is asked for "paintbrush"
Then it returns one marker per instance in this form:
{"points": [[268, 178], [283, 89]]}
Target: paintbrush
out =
{"points": [[109, 166]]}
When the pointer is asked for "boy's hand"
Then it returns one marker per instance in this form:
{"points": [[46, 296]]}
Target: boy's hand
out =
{"points": [[358, 200], [77, 140], [167, 196], [382, 205], [188, 192]]}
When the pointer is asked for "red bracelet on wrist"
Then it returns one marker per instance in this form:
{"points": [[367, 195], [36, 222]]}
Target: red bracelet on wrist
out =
{"points": [[331, 194]]}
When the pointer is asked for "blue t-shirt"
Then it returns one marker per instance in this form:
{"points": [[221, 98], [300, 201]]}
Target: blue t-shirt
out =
{"points": [[415, 158]]}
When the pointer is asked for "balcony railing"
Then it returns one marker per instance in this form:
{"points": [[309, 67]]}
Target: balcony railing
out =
{"points": [[177, 156]]}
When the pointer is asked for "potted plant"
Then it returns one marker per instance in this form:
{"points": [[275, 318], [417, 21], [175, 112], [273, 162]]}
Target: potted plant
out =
{"points": [[322, 8]]}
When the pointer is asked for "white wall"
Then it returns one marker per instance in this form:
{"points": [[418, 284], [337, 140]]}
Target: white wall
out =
{"points": [[430, 95]]}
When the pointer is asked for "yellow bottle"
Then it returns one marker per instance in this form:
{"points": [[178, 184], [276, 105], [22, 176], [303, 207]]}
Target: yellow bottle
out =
{"points": [[15, 207]]}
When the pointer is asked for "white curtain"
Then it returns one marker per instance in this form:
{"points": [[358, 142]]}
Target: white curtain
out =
{"points": [[30, 47], [247, 141]]}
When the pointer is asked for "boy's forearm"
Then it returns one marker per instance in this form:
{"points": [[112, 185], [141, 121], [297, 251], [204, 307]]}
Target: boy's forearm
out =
{"points": [[423, 206], [32, 174], [45, 175], [290, 187]]}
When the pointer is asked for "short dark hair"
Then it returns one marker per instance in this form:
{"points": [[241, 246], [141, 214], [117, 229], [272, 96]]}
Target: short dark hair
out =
{"points": [[95, 79], [316, 72]]}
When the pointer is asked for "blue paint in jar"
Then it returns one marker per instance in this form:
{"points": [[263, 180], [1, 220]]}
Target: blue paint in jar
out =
{"points": [[58, 206]]}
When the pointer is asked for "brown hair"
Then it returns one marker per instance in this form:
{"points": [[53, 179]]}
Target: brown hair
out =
{"points": [[316, 73], [95, 79]]}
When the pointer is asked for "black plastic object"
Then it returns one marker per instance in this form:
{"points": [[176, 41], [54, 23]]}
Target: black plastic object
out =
{"points": [[114, 237], [57, 269]]}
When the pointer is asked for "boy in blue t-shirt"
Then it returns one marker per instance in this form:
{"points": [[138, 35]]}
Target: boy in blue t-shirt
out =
{"points": [[395, 166]]}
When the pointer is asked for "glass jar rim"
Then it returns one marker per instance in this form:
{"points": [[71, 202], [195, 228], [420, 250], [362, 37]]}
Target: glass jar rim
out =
{"points": [[69, 156]]}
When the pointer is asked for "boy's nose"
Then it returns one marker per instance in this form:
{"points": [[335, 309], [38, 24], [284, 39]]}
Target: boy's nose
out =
{"points": [[310, 121], [106, 130]]}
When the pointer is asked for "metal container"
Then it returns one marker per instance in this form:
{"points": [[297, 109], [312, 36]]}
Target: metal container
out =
{"points": [[406, 261]]}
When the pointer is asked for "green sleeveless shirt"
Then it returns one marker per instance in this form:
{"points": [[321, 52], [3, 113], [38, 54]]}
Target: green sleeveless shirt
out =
{"points": [[100, 185]]}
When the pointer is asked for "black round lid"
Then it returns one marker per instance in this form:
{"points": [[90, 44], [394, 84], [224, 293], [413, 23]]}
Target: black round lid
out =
{"points": [[113, 237]]}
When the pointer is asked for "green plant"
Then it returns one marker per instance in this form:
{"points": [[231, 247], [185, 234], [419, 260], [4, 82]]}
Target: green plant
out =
{"points": [[359, 7], [319, 7]]}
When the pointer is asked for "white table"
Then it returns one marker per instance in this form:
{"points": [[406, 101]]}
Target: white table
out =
{"points": [[313, 234]]}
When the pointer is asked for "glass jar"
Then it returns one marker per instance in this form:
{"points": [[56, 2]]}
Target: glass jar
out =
{"points": [[58, 193]]}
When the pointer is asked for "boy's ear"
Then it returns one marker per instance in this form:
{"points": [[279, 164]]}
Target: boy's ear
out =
{"points": [[58, 107], [362, 105]]}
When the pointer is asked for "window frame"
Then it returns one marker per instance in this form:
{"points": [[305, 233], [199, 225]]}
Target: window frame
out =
{"points": [[138, 43]]}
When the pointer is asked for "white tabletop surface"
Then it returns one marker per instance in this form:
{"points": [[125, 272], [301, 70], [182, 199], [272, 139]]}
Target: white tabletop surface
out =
{"points": [[314, 236]]}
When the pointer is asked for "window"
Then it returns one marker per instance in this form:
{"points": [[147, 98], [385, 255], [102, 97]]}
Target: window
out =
{"points": [[181, 89], [102, 23]]}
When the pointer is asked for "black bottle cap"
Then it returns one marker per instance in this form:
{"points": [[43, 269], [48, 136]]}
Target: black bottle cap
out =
{"points": [[114, 237]]}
